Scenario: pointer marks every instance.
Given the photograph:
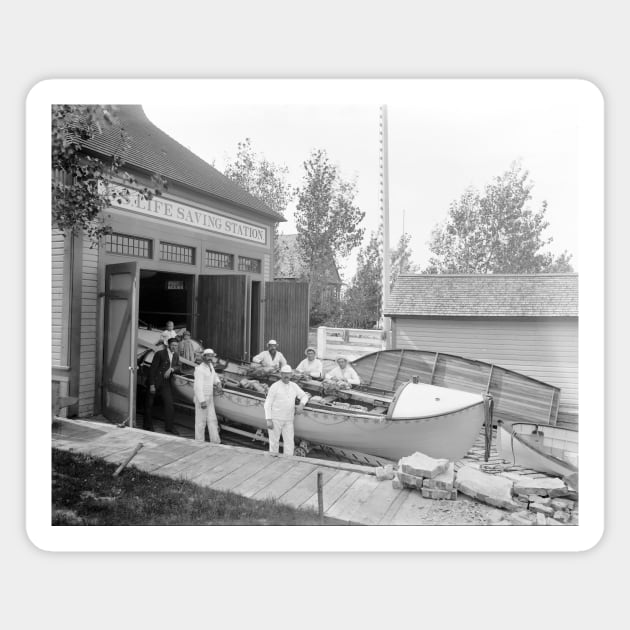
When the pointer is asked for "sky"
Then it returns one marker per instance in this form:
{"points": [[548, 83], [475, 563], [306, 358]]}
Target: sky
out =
{"points": [[452, 136]]}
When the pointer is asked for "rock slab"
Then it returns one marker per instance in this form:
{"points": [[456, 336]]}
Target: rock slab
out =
{"points": [[544, 487], [490, 489]]}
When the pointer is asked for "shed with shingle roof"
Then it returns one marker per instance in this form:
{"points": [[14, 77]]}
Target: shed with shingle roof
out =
{"points": [[290, 267], [523, 322]]}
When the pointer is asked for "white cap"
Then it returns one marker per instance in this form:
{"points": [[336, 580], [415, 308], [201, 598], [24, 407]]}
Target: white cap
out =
{"points": [[208, 351], [272, 341], [286, 369]]}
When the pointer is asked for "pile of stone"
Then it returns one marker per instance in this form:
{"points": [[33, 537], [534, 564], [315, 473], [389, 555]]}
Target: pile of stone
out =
{"points": [[434, 478], [529, 501], [525, 500], [544, 502]]}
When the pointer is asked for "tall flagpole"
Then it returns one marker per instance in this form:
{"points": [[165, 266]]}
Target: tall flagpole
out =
{"points": [[384, 203]]}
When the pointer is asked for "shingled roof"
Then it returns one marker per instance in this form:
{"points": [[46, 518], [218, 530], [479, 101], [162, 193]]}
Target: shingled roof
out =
{"points": [[495, 295], [156, 152], [290, 264]]}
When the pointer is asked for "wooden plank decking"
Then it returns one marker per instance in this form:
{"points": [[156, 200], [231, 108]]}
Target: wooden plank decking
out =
{"points": [[351, 492]]}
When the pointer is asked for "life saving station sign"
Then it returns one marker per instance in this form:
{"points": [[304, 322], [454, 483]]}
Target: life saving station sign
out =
{"points": [[176, 212]]}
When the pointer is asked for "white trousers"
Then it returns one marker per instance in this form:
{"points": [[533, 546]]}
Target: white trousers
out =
{"points": [[206, 417], [284, 428]]}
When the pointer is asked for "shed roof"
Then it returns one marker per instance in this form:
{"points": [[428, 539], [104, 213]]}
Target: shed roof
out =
{"points": [[492, 295], [155, 151], [291, 265]]}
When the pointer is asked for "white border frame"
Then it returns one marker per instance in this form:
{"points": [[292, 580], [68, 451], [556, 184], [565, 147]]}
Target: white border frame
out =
{"points": [[343, 539]]}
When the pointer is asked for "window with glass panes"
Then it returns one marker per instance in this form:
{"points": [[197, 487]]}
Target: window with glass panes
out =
{"points": [[129, 245], [252, 265], [177, 253], [220, 260]]}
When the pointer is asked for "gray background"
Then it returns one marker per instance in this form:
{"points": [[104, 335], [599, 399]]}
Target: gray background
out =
{"points": [[325, 39]]}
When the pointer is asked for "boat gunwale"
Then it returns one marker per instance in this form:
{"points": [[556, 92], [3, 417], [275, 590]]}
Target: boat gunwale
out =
{"points": [[539, 424], [352, 413]]}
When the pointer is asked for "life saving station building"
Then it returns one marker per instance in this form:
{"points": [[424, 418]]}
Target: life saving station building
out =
{"points": [[200, 255]]}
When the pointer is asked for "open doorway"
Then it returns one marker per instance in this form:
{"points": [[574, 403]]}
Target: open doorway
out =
{"points": [[166, 297]]}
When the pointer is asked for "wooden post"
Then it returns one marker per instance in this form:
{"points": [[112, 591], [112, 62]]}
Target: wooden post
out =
{"points": [[321, 342], [488, 403], [133, 454], [320, 496]]}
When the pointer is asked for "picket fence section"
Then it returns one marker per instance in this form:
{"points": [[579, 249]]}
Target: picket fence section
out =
{"points": [[351, 343]]}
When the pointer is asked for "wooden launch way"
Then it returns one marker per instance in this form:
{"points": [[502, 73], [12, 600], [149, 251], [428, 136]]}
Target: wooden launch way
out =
{"points": [[351, 492]]}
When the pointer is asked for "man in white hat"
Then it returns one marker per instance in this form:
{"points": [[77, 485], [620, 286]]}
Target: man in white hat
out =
{"points": [[344, 372], [270, 358], [206, 382], [311, 366], [280, 410]]}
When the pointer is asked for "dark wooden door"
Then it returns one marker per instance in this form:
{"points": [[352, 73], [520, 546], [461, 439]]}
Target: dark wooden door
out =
{"points": [[223, 313], [286, 318], [119, 343]]}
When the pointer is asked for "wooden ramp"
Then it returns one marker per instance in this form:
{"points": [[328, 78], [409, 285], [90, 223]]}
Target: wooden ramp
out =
{"points": [[352, 495]]}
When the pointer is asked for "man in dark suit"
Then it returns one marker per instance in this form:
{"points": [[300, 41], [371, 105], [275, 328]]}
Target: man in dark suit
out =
{"points": [[160, 373]]}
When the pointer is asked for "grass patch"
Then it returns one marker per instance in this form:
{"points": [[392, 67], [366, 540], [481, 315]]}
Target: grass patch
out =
{"points": [[84, 492]]}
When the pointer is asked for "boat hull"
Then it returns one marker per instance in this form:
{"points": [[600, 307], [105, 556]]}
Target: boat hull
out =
{"points": [[551, 450], [449, 435]]}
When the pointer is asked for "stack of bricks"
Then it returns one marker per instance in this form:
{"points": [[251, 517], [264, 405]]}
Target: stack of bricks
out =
{"points": [[434, 478]]}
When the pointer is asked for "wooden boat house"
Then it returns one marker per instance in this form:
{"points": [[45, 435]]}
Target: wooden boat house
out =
{"points": [[200, 255], [526, 323]]}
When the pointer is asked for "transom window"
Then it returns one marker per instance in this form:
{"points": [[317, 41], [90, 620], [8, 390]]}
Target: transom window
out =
{"points": [[219, 260], [253, 265], [177, 253], [129, 245]]}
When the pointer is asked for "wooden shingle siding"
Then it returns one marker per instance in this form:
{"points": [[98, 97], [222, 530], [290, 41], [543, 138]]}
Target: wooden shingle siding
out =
{"points": [[545, 349], [59, 316], [89, 308]]}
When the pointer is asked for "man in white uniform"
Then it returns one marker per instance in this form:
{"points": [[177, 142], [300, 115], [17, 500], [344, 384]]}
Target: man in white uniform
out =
{"points": [[280, 410], [206, 381], [270, 358], [344, 372], [311, 366]]}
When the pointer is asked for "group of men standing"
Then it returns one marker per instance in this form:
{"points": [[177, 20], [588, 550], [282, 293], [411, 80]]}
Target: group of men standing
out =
{"points": [[279, 406], [206, 384]]}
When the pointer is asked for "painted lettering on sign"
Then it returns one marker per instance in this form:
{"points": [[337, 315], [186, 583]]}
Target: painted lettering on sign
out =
{"points": [[187, 215]]}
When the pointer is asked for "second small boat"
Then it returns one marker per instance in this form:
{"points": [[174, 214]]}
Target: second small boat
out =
{"points": [[547, 449]]}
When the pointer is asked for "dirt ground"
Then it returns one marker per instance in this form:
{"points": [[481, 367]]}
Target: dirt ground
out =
{"points": [[463, 511]]}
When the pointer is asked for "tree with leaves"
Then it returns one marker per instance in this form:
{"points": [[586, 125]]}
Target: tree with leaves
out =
{"points": [[258, 176], [264, 179], [327, 220], [363, 298], [401, 259], [361, 306], [80, 181], [495, 231]]}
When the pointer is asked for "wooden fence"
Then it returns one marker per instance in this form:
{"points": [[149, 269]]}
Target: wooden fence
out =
{"points": [[351, 343]]}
